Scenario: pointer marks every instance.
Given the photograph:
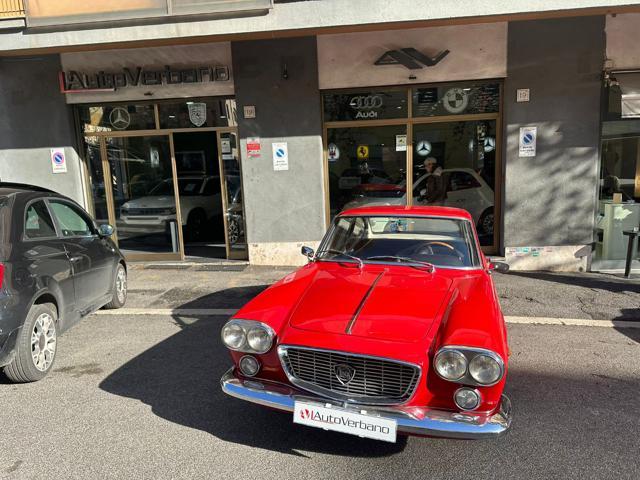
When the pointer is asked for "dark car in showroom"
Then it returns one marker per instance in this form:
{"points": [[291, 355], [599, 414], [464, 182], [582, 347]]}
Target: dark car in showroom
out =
{"points": [[56, 266]]}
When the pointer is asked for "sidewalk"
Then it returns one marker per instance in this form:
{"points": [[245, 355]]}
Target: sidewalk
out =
{"points": [[522, 294]]}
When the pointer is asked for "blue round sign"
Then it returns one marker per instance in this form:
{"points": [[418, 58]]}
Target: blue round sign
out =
{"points": [[58, 158], [280, 153], [527, 138]]}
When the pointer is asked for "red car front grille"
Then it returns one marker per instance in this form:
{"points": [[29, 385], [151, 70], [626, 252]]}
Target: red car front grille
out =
{"points": [[374, 380]]}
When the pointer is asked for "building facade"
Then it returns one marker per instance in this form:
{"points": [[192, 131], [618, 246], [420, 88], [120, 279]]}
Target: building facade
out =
{"points": [[241, 132]]}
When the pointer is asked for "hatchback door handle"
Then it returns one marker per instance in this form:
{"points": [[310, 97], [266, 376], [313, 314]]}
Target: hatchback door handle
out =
{"points": [[75, 259]]}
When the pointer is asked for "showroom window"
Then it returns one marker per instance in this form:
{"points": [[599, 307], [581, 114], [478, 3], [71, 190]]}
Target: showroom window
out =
{"points": [[426, 145], [619, 182]]}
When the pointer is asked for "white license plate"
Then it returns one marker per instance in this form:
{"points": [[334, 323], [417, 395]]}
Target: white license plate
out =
{"points": [[345, 421]]}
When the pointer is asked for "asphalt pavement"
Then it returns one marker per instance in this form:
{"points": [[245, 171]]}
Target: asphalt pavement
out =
{"points": [[138, 397]]}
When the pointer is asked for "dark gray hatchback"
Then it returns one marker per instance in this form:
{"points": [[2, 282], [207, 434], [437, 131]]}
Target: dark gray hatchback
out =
{"points": [[56, 266]]}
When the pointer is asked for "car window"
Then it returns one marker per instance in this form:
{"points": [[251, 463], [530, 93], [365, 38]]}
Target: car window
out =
{"points": [[38, 222], [71, 221], [443, 242], [462, 181], [212, 187]]}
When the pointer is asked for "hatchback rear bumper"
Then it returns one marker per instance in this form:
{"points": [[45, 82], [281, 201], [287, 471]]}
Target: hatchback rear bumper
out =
{"points": [[410, 420]]}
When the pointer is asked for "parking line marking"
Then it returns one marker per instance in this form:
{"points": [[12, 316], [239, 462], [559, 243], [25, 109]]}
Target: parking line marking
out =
{"points": [[578, 322], [170, 311], [211, 312]]}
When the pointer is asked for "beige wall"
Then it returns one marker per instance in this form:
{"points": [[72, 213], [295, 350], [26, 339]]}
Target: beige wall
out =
{"points": [[476, 52]]}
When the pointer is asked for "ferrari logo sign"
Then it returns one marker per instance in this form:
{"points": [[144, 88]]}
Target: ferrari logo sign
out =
{"points": [[197, 113], [363, 152]]}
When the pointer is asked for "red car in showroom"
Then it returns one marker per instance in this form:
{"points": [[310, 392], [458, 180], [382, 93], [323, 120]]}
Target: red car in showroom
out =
{"points": [[393, 327]]}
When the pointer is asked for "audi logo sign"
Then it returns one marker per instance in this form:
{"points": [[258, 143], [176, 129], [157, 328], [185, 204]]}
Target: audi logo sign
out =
{"points": [[366, 102]]}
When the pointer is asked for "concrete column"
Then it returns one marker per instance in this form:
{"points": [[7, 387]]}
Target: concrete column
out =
{"points": [[550, 199], [33, 119], [284, 209]]}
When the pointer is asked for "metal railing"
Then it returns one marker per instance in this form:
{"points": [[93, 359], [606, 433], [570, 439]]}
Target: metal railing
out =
{"points": [[11, 8]]}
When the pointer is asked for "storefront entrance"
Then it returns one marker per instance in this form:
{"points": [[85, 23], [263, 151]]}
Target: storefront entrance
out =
{"points": [[429, 145], [174, 192]]}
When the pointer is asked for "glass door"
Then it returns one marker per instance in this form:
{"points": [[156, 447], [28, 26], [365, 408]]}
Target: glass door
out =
{"points": [[233, 204], [142, 194], [454, 164], [367, 166]]}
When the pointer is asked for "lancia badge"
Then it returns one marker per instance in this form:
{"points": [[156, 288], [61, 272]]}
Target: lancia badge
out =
{"points": [[344, 373]]}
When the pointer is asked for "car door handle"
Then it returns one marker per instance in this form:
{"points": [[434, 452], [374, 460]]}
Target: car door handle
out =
{"points": [[75, 259]]}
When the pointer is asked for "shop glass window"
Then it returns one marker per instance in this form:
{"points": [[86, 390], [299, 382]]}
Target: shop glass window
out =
{"points": [[72, 223], [93, 161], [114, 118], [196, 113], [456, 99], [367, 166], [619, 182], [454, 164], [365, 105], [38, 223], [143, 193]]}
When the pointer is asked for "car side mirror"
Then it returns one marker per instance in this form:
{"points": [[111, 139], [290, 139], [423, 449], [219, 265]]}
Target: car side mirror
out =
{"points": [[500, 267], [105, 230], [307, 252]]}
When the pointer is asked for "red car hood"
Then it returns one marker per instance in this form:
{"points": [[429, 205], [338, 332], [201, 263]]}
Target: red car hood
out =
{"points": [[394, 303]]}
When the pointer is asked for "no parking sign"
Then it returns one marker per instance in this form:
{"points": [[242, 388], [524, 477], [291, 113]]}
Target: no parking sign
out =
{"points": [[58, 160], [528, 141]]}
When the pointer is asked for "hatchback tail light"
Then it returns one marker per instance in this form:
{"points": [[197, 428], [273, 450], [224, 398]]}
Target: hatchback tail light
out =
{"points": [[1, 274]]}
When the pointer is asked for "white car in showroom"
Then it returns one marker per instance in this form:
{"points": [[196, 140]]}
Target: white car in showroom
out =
{"points": [[465, 189], [200, 201]]}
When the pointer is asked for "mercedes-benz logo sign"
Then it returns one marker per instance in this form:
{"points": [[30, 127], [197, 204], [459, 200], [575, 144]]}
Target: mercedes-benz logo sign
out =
{"points": [[119, 118], [368, 102], [344, 373]]}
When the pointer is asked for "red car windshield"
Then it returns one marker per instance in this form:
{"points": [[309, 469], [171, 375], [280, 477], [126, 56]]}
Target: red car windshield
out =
{"points": [[442, 242]]}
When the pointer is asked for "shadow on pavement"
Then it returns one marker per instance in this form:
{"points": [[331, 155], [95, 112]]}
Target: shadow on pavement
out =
{"points": [[609, 283], [179, 379]]}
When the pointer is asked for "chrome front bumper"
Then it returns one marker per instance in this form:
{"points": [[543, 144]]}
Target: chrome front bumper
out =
{"points": [[410, 420]]}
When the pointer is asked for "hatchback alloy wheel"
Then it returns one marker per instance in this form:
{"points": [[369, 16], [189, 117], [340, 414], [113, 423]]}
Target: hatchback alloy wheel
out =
{"points": [[43, 342], [121, 285]]}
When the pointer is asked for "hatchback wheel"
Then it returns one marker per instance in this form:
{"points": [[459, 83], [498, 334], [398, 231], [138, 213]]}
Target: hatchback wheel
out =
{"points": [[36, 345], [119, 289]]}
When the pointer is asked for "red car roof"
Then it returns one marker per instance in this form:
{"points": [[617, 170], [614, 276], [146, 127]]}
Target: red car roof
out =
{"points": [[407, 211]]}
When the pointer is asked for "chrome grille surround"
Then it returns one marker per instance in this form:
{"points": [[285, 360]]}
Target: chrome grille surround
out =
{"points": [[377, 381]]}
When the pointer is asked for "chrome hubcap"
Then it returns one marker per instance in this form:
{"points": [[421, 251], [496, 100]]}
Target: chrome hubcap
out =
{"points": [[43, 342], [121, 285]]}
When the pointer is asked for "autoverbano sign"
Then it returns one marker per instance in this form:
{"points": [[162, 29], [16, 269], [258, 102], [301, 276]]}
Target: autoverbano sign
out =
{"points": [[73, 81]]}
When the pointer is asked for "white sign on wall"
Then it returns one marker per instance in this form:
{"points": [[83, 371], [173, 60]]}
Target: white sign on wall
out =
{"points": [[528, 141], [58, 160], [418, 55], [280, 156]]}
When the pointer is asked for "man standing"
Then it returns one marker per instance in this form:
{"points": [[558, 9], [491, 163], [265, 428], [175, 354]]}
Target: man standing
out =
{"points": [[435, 192]]}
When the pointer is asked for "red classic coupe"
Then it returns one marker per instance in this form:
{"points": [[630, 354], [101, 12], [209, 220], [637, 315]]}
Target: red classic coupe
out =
{"points": [[393, 327]]}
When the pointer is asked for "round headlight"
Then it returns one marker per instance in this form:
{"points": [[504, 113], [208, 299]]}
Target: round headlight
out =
{"points": [[233, 335], [467, 398], [249, 366], [485, 369], [259, 339], [451, 364]]}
